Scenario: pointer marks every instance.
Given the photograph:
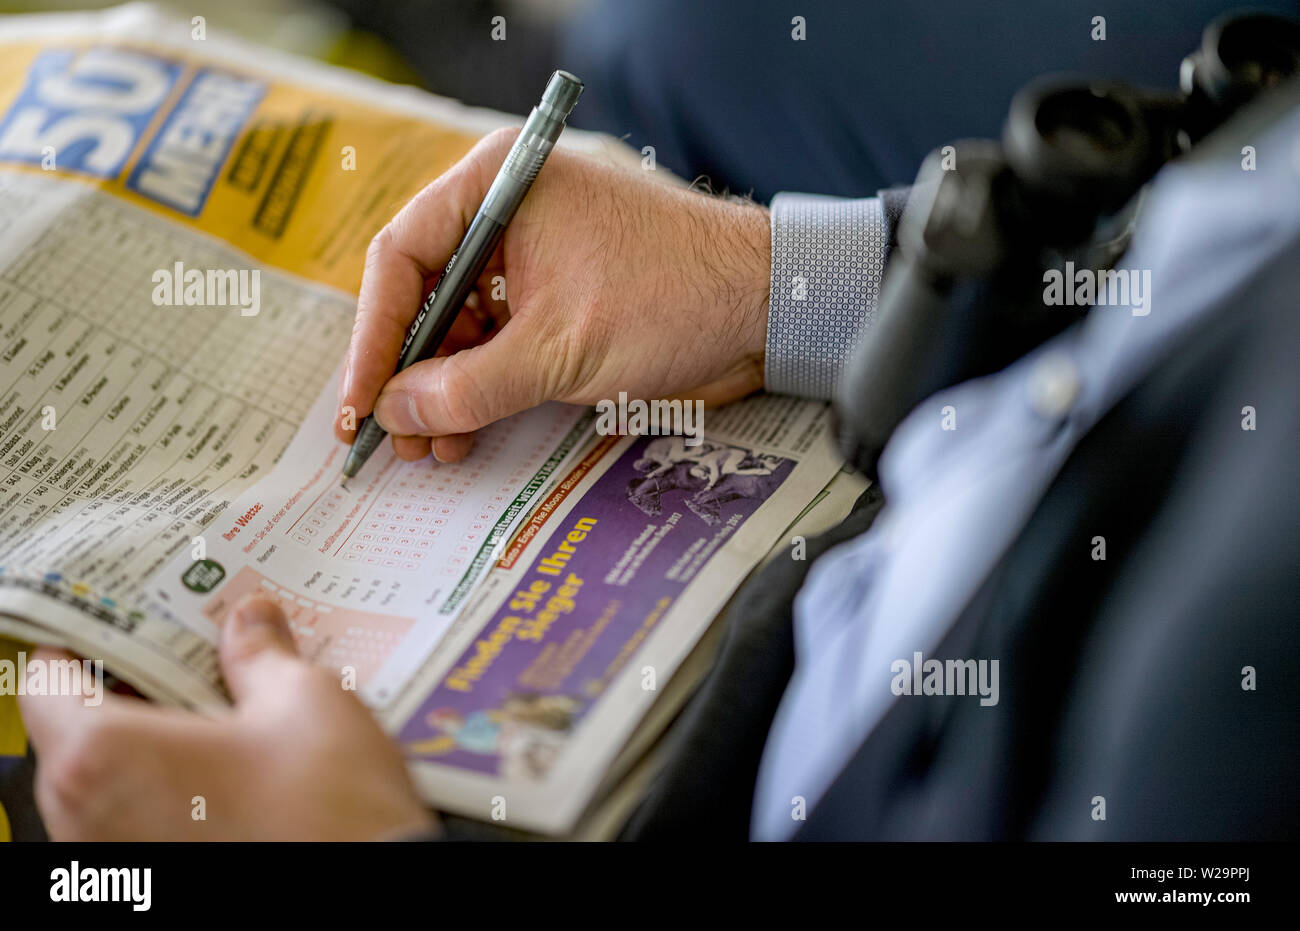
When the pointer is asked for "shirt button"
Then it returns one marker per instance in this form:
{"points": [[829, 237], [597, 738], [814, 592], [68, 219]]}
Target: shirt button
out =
{"points": [[1053, 385]]}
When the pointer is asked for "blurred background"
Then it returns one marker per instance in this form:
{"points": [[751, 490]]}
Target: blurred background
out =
{"points": [[838, 97], [442, 45]]}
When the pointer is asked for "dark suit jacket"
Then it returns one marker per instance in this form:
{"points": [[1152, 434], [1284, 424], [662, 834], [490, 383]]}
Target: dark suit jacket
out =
{"points": [[1121, 679]]}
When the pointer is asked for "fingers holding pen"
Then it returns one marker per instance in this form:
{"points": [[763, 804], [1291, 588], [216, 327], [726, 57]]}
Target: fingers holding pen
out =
{"points": [[402, 257]]}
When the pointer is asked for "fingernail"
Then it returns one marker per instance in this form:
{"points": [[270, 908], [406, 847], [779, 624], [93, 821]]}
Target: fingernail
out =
{"points": [[396, 413], [345, 381], [253, 613]]}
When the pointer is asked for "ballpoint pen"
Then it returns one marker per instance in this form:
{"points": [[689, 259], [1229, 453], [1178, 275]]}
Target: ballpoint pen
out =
{"points": [[518, 171]]}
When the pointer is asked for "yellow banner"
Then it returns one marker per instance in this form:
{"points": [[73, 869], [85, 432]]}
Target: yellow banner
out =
{"points": [[299, 179]]}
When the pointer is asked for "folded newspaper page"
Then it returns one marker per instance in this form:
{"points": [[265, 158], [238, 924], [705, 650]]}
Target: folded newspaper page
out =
{"points": [[597, 599], [183, 226], [182, 231]]}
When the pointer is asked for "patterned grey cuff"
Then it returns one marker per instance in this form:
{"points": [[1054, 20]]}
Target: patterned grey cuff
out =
{"points": [[828, 255]]}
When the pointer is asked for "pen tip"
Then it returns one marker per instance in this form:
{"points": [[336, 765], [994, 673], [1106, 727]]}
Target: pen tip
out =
{"points": [[343, 482]]}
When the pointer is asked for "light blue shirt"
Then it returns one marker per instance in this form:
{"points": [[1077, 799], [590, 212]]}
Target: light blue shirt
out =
{"points": [[957, 498]]}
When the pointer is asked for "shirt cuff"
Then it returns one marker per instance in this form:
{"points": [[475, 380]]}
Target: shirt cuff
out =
{"points": [[828, 255]]}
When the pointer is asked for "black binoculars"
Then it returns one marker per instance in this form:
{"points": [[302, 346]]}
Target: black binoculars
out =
{"points": [[963, 293]]}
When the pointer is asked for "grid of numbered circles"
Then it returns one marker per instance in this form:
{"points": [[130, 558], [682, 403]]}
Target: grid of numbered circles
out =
{"points": [[422, 512]]}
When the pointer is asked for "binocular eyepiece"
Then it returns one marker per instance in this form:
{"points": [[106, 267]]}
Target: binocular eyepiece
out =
{"points": [[1239, 57], [1069, 140]]}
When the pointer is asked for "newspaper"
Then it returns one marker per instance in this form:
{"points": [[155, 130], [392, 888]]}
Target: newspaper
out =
{"points": [[133, 156], [512, 618], [598, 598]]}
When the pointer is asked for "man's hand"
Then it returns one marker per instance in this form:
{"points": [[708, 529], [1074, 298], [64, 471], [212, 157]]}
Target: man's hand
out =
{"points": [[298, 758], [612, 283]]}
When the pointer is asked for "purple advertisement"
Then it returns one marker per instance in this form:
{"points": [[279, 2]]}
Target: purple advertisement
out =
{"points": [[590, 596]]}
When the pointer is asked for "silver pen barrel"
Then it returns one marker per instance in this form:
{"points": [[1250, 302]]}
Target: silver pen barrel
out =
{"points": [[535, 141]]}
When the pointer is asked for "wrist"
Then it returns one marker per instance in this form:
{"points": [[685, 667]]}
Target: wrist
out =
{"points": [[755, 232], [735, 250]]}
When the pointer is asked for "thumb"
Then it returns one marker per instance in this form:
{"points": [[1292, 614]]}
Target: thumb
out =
{"points": [[255, 645], [467, 390]]}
